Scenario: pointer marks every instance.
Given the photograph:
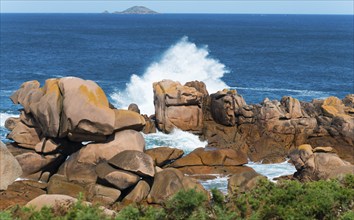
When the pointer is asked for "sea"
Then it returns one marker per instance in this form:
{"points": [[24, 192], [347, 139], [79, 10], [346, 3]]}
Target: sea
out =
{"points": [[260, 55]]}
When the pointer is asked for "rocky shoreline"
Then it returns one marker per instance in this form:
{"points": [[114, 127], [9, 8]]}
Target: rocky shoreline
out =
{"points": [[69, 139]]}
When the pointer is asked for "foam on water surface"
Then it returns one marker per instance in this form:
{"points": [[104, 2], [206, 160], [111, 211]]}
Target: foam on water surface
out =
{"points": [[177, 139]]}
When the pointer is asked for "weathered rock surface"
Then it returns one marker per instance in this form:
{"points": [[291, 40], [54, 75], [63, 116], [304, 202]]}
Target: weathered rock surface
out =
{"points": [[59, 184], [32, 162], [178, 106], [243, 182], [80, 172], [125, 119], [119, 142], [19, 193], [318, 165], [102, 195], [164, 155], [10, 169], [57, 111], [150, 126], [138, 194], [25, 136], [11, 123], [122, 179], [168, 182], [212, 157], [134, 161], [62, 201], [225, 106]]}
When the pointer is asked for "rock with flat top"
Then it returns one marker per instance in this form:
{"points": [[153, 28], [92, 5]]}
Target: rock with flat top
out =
{"points": [[134, 161]]}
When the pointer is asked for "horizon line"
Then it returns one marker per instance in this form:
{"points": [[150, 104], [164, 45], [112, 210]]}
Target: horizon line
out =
{"points": [[158, 13]]}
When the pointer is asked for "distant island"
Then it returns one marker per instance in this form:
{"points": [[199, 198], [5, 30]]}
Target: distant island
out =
{"points": [[135, 10]]}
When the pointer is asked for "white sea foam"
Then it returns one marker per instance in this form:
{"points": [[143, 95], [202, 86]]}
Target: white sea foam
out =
{"points": [[303, 93], [4, 116], [182, 62], [177, 138], [272, 171], [219, 183]]}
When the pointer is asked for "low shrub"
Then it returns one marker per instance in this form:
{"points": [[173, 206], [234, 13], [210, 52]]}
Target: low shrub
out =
{"points": [[333, 199]]}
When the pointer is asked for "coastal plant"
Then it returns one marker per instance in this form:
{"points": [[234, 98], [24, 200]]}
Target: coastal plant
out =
{"points": [[138, 212], [295, 200], [187, 204], [6, 215]]}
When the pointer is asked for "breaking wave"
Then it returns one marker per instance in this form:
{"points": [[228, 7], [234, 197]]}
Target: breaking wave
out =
{"points": [[182, 62]]}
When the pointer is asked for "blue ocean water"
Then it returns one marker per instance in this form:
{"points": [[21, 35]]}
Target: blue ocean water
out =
{"points": [[304, 56]]}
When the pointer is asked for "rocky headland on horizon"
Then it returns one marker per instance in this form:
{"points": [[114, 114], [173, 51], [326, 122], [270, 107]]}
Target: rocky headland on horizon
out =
{"points": [[134, 10], [69, 139]]}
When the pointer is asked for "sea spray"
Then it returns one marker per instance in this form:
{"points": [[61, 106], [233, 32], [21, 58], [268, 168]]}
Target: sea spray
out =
{"points": [[182, 62], [177, 139]]}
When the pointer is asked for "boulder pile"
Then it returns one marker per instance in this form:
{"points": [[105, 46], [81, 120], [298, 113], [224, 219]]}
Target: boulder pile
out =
{"points": [[69, 140], [318, 163], [265, 132]]}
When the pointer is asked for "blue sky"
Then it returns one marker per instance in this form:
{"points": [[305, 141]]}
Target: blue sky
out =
{"points": [[183, 6]]}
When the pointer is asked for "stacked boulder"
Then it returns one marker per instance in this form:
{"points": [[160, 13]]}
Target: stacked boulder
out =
{"points": [[71, 138], [318, 163], [266, 132], [178, 106]]}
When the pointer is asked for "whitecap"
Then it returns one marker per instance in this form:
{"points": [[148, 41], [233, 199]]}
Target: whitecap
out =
{"points": [[4, 116], [177, 139], [182, 62]]}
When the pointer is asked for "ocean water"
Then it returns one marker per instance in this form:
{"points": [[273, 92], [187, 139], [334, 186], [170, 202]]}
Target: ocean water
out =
{"points": [[304, 56]]}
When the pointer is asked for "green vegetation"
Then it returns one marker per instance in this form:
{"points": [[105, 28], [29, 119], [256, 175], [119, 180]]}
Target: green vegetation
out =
{"points": [[332, 199]]}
